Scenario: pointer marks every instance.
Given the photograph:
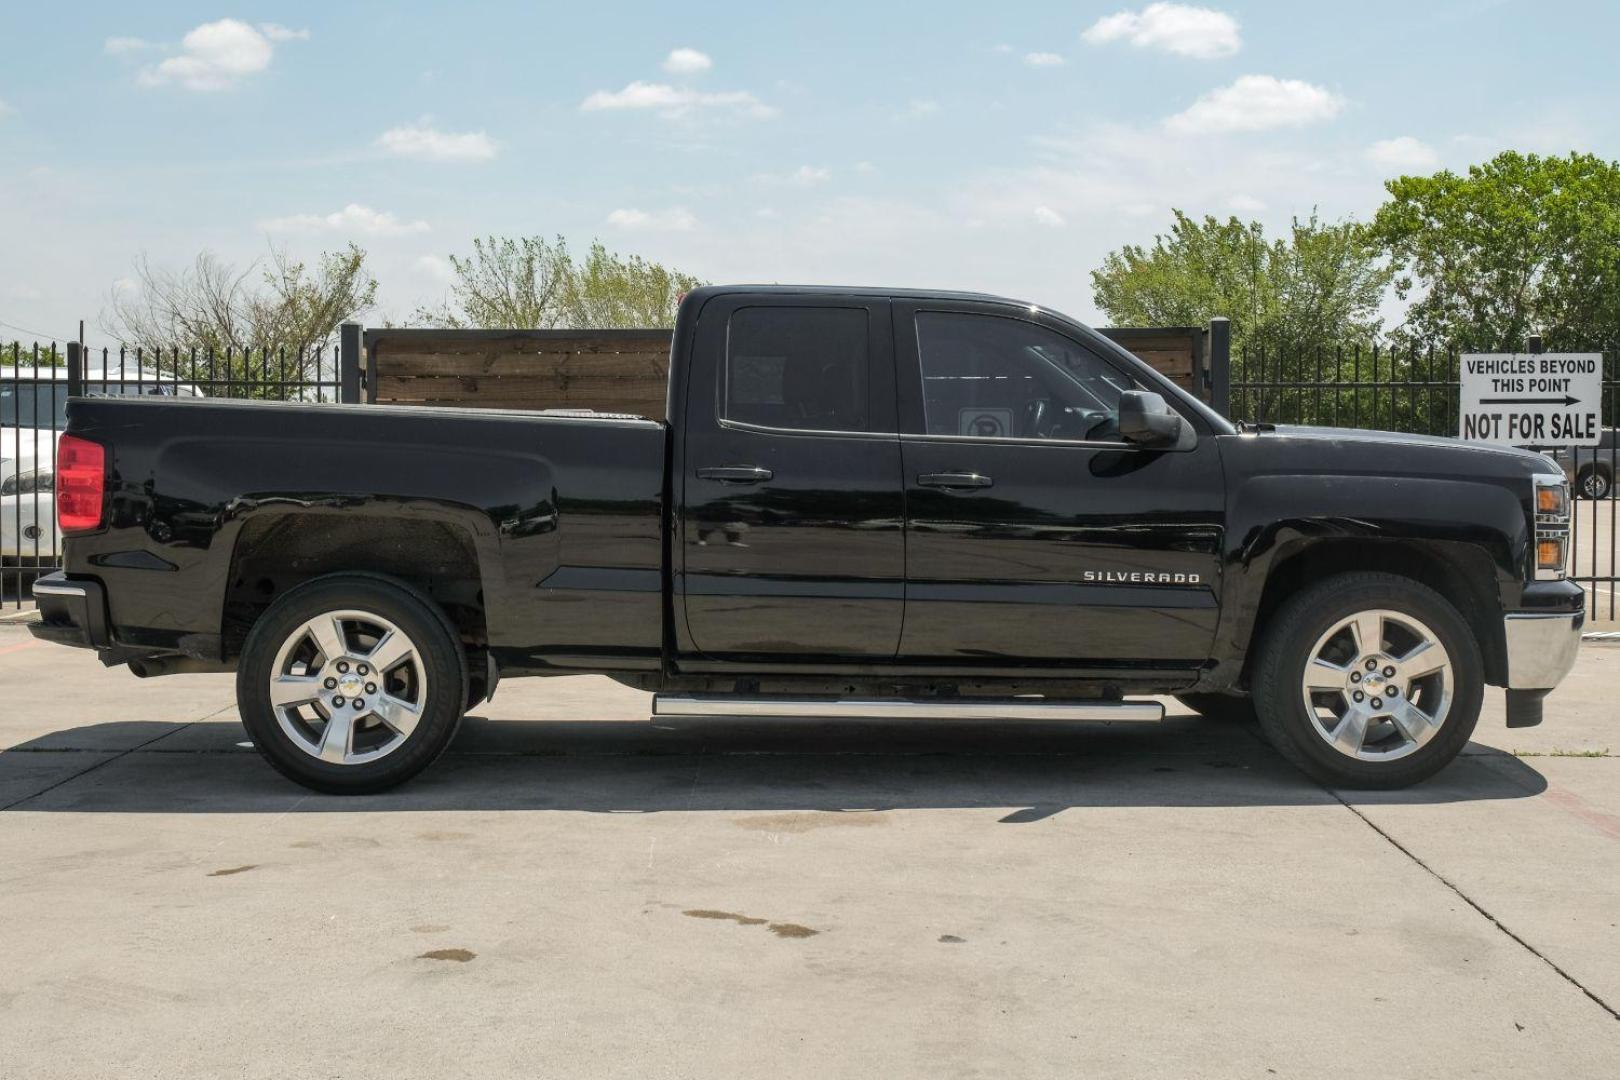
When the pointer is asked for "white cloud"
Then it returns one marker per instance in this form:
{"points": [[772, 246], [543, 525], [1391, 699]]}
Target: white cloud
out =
{"points": [[1257, 103], [1045, 215], [277, 32], [431, 266], [215, 56], [687, 62], [114, 46], [354, 218], [865, 168], [4, 108], [1199, 32], [429, 144], [676, 100], [1403, 152], [1246, 204], [804, 176], [1043, 59], [920, 107], [676, 219]]}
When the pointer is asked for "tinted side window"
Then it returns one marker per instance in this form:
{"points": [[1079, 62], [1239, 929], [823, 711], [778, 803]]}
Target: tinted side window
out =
{"points": [[798, 367], [995, 377]]}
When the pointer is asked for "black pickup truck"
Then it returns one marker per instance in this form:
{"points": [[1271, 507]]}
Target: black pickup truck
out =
{"points": [[860, 502]]}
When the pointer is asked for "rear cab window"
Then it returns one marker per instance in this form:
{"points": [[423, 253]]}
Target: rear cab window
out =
{"points": [[798, 368]]}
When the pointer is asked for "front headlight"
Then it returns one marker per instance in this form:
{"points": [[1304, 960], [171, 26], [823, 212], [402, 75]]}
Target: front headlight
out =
{"points": [[40, 480], [1551, 537]]}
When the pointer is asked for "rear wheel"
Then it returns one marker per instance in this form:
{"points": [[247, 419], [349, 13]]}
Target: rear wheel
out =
{"points": [[1369, 680], [351, 684]]}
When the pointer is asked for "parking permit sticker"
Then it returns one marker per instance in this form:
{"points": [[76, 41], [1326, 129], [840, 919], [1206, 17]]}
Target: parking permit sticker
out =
{"points": [[1531, 399]]}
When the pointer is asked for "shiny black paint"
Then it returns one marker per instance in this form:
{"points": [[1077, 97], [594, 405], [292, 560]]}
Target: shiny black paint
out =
{"points": [[1291, 488], [1035, 568], [563, 514], [592, 555], [809, 562]]}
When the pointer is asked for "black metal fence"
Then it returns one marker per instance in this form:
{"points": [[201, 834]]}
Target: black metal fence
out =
{"points": [[1418, 391], [37, 380], [1348, 386]]}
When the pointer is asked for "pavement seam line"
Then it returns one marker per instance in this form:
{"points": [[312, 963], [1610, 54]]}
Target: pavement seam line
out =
{"points": [[108, 761], [1464, 897], [1471, 902]]}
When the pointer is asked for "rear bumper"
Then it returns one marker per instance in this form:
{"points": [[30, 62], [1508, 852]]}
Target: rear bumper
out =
{"points": [[71, 612], [1541, 647]]}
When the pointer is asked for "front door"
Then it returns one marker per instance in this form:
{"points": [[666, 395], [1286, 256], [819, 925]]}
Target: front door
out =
{"points": [[791, 543], [1034, 534]]}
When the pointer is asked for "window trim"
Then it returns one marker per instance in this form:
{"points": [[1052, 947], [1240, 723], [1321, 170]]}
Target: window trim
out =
{"points": [[766, 429]]}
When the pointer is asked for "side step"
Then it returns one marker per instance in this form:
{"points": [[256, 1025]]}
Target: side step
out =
{"points": [[880, 708]]}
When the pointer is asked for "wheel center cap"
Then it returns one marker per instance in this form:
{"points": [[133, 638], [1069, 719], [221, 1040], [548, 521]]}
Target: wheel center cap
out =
{"points": [[350, 684]]}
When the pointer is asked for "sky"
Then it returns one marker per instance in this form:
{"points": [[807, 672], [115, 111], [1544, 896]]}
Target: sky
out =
{"points": [[997, 147]]}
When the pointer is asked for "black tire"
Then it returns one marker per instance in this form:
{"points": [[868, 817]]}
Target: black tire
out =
{"points": [[1593, 483], [437, 649], [1222, 708], [1285, 650]]}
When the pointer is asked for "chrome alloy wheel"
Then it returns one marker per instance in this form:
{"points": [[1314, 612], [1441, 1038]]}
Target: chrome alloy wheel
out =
{"points": [[1378, 685], [348, 687]]}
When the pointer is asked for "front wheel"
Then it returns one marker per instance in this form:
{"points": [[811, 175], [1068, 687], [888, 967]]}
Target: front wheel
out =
{"points": [[1368, 680], [351, 684]]}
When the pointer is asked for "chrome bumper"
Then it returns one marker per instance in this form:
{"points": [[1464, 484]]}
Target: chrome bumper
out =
{"points": [[1541, 648]]}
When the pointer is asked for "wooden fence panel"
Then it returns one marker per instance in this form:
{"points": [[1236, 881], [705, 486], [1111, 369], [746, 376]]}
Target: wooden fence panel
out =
{"points": [[623, 371]]}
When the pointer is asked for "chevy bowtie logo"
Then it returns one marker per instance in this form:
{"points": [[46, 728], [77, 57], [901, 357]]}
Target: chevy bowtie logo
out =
{"points": [[1140, 577]]}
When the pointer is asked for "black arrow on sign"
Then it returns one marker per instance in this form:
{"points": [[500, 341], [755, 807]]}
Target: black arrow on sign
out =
{"points": [[1565, 400]]}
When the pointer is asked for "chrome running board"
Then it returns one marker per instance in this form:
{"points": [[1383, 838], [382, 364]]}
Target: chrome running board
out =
{"points": [[883, 709]]}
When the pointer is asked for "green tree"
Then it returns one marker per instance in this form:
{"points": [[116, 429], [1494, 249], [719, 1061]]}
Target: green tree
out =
{"points": [[1303, 307], [506, 284], [14, 351], [627, 291], [1521, 244], [245, 329], [1318, 287], [531, 283]]}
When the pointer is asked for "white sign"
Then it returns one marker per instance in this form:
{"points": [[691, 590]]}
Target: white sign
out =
{"points": [[1531, 399]]}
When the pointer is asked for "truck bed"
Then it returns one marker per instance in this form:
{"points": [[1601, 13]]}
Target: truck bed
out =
{"points": [[563, 513]]}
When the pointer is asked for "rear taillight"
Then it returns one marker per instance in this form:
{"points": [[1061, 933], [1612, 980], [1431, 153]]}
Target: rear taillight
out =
{"points": [[81, 484]]}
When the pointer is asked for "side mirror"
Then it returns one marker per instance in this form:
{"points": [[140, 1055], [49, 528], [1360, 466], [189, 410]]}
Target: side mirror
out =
{"points": [[1145, 419]]}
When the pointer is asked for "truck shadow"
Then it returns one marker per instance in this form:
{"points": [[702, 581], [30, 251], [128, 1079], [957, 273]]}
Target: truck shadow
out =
{"points": [[1030, 770]]}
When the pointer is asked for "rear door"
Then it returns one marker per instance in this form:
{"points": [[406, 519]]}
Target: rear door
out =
{"points": [[1034, 534], [791, 540]]}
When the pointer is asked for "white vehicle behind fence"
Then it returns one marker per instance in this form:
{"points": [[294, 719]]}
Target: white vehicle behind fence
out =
{"points": [[33, 411]]}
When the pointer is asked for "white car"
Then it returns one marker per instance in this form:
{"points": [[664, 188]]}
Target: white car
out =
{"points": [[33, 411]]}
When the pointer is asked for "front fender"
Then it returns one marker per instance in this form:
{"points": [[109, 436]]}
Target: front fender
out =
{"points": [[1476, 526]]}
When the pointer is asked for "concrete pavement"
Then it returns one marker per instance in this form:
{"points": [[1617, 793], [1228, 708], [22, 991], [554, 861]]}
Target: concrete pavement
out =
{"points": [[580, 890]]}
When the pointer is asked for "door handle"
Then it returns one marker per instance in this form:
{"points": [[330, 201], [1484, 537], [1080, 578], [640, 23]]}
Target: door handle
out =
{"points": [[954, 480], [735, 474]]}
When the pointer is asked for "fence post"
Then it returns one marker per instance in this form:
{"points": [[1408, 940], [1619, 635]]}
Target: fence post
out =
{"points": [[75, 366], [1220, 365], [370, 346], [349, 363], [1534, 345]]}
